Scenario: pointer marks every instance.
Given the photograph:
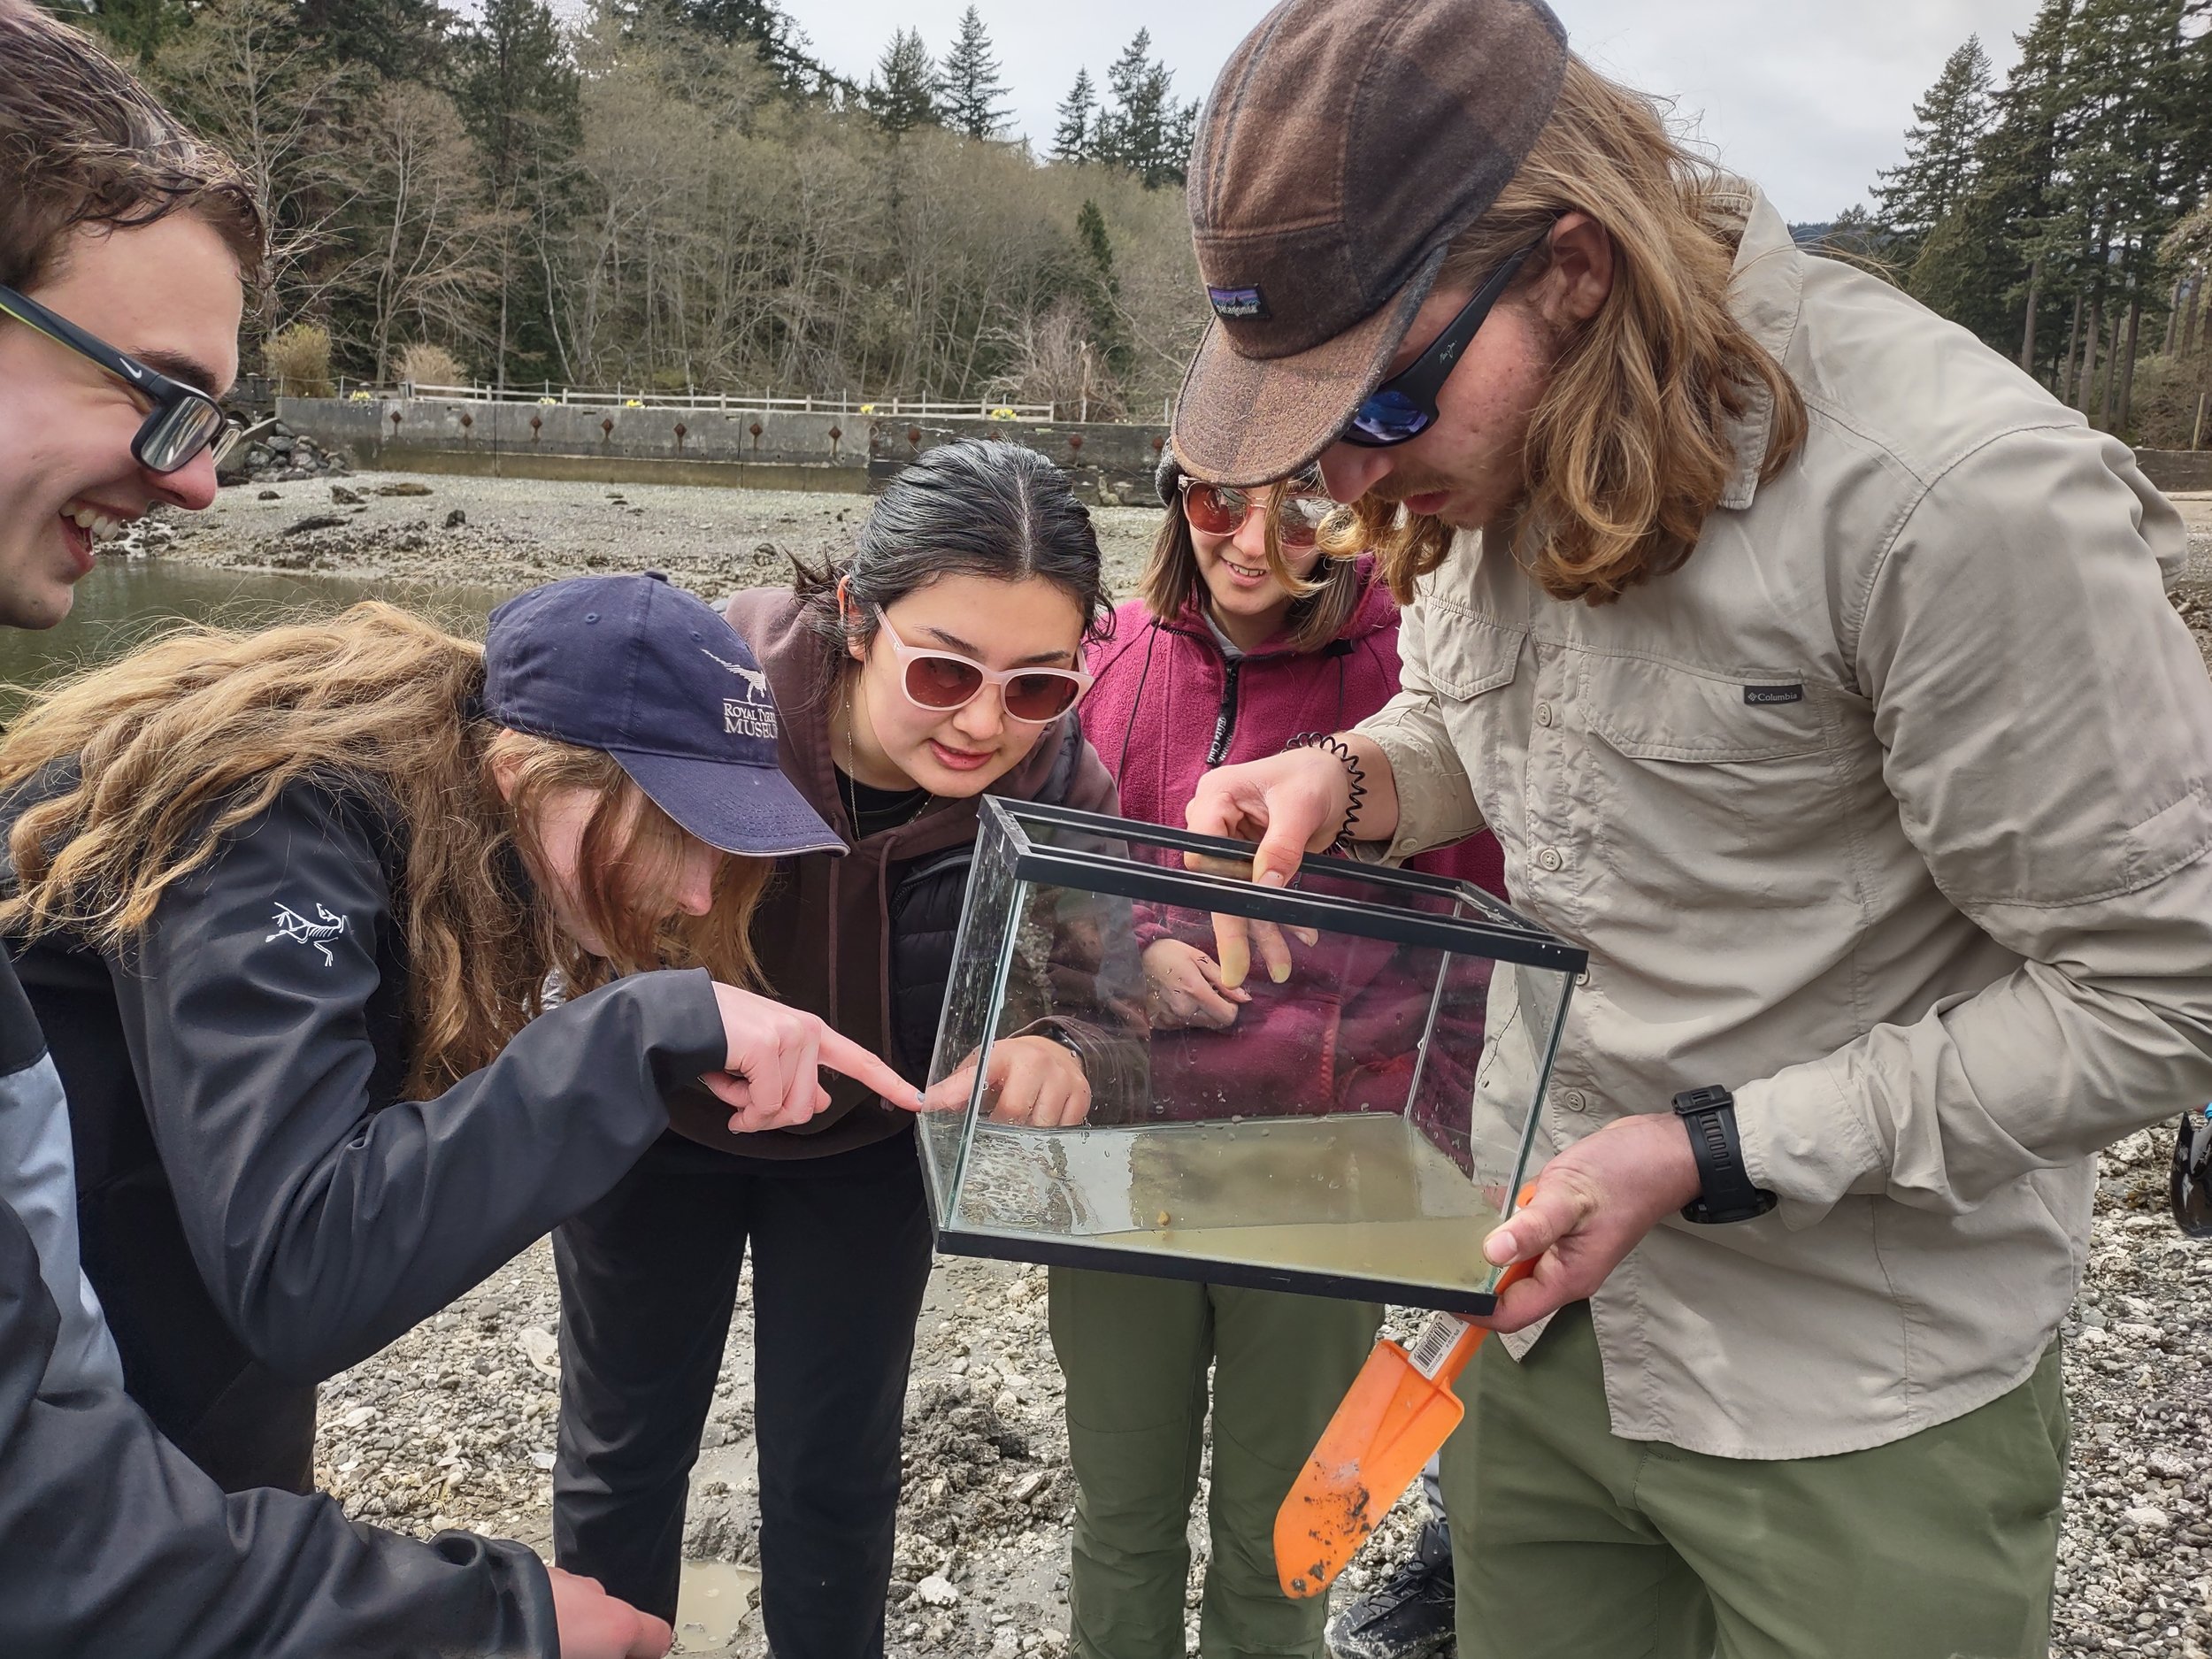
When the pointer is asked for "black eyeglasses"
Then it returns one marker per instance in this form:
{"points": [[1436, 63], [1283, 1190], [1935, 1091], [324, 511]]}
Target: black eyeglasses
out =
{"points": [[2193, 1175], [1404, 406], [184, 420]]}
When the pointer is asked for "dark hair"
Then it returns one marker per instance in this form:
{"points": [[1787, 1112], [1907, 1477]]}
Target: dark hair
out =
{"points": [[1320, 605], [82, 143], [978, 507]]}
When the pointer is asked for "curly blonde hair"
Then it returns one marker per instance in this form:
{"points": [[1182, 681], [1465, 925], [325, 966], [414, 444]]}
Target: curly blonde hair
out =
{"points": [[152, 761], [1628, 449]]}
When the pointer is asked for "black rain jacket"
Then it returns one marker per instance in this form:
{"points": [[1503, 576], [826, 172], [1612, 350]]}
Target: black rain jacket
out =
{"points": [[113, 1544], [258, 1207]]}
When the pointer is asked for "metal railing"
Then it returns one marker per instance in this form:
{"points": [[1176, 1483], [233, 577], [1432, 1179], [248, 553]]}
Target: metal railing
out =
{"points": [[726, 403]]}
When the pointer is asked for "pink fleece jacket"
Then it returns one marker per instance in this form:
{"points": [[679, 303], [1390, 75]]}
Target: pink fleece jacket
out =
{"points": [[1164, 710], [1170, 704]]}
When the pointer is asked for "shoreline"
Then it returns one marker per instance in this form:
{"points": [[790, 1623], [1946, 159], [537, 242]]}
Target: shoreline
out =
{"points": [[515, 532]]}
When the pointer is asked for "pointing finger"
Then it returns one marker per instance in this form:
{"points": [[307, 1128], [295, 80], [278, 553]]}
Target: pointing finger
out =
{"points": [[840, 1053]]}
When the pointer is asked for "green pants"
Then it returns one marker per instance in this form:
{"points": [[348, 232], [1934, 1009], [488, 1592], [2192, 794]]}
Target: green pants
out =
{"points": [[1568, 1542], [1135, 1351]]}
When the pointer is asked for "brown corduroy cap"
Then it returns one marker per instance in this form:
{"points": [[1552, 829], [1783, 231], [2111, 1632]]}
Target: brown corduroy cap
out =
{"points": [[1345, 145]]}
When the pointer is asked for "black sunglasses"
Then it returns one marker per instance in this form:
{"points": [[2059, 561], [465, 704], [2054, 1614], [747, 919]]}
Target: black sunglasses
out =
{"points": [[2193, 1175], [1404, 406], [184, 420]]}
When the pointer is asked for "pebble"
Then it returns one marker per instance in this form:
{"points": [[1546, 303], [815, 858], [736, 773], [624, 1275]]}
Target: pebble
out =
{"points": [[936, 1590], [541, 1348]]}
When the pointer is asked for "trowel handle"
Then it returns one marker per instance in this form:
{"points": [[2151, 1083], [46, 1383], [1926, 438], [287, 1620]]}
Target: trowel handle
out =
{"points": [[1447, 1341]]}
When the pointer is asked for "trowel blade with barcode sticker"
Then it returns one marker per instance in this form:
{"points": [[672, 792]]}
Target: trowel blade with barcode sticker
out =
{"points": [[1399, 1411]]}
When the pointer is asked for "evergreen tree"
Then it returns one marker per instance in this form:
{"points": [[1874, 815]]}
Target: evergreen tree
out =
{"points": [[399, 40], [519, 98], [1099, 289], [517, 89], [1074, 140], [1142, 128], [139, 27], [969, 81], [1940, 148], [771, 32], [1098, 248], [902, 95]]}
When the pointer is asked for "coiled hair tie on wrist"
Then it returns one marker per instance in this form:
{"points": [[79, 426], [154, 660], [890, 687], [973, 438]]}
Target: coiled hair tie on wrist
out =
{"points": [[1342, 750]]}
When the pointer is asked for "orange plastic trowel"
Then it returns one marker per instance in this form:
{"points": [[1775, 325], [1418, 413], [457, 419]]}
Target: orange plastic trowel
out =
{"points": [[1400, 1409]]}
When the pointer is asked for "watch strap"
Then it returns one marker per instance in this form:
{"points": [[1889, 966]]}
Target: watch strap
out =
{"points": [[1725, 1190]]}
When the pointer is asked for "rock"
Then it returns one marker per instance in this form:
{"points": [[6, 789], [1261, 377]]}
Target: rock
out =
{"points": [[344, 497], [712, 1533], [936, 1590], [316, 521], [542, 1461], [541, 1348], [2147, 1519], [360, 1417], [456, 519], [270, 494], [405, 487]]}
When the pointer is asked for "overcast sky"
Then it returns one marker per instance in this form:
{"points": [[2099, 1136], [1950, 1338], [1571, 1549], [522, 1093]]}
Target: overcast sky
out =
{"points": [[1809, 96]]}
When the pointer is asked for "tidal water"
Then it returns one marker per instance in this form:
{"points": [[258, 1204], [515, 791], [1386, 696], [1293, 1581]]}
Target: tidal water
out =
{"points": [[125, 601]]}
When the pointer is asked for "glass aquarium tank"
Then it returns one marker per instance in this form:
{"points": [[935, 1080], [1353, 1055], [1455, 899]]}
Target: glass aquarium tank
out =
{"points": [[1350, 1121]]}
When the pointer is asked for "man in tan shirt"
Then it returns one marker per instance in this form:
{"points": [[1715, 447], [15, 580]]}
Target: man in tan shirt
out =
{"points": [[1813, 666]]}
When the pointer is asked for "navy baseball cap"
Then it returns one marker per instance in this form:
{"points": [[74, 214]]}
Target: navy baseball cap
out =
{"points": [[657, 678]]}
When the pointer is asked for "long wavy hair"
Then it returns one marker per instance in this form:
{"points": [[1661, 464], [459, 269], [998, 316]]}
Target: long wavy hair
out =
{"points": [[1321, 603], [1628, 448], [168, 750]]}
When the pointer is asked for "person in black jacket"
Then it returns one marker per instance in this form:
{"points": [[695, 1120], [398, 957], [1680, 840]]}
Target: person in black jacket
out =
{"points": [[288, 905], [942, 659]]}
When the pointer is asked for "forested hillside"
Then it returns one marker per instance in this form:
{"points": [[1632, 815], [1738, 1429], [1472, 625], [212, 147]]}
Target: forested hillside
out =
{"points": [[675, 193], [2063, 216]]}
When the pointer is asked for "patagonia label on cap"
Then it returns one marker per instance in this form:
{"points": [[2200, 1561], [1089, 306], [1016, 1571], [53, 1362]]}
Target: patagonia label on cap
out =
{"points": [[1773, 693], [1238, 304]]}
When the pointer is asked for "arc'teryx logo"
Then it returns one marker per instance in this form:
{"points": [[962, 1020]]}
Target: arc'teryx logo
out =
{"points": [[291, 925]]}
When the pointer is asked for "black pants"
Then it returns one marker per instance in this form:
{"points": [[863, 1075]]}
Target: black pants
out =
{"points": [[648, 1277]]}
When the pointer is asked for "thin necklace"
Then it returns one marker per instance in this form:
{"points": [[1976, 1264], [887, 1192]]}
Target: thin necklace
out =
{"points": [[851, 782]]}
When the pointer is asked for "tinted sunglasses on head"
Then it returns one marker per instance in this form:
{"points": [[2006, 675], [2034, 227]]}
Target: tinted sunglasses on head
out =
{"points": [[2193, 1175], [1218, 509], [941, 681], [183, 421], [1404, 406]]}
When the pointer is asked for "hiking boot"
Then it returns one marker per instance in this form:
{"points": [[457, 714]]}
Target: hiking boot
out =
{"points": [[1410, 1617]]}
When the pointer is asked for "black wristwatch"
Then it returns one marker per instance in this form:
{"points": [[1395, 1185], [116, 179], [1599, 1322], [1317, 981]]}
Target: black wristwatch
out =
{"points": [[1725, 1193]]}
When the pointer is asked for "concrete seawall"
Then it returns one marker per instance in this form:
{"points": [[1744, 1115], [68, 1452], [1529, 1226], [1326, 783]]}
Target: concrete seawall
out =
{"points": [[2176, 472], [1110, 462], [739, 448]]}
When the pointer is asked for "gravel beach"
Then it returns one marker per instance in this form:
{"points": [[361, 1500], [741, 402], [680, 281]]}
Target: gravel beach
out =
{"points": [[510, 532], [453, 1425]]}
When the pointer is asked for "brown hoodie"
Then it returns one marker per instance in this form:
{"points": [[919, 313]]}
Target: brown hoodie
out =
{"points": [[823, 931]]}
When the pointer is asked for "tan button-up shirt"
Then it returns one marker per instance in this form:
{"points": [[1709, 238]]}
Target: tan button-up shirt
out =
{"points": [[1891, 810]]}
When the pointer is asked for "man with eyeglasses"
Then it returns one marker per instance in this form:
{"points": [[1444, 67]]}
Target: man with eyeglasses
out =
{"points": [[124, 247], [1813, 667]]}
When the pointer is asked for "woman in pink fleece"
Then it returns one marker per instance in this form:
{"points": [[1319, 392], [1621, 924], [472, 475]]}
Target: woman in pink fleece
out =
{"points": [[1233, 649]]}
